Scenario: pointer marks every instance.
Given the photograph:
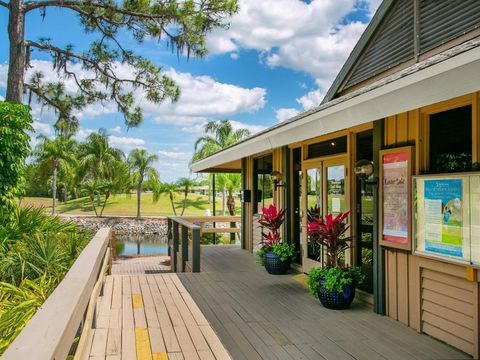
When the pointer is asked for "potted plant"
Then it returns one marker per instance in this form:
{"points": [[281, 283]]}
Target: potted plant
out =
{"points": [[334, 284], [274, 254]]}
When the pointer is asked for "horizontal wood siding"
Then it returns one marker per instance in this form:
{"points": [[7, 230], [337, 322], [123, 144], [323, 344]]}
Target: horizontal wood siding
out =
{"points": [[447, 307]]}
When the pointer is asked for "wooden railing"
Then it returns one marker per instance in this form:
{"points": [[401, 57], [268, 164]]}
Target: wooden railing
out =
{"points": [[68, 310], [184, 250]]}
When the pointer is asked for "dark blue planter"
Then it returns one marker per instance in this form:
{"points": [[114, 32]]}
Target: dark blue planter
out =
{"points": [[274, 265], [336, 300]]}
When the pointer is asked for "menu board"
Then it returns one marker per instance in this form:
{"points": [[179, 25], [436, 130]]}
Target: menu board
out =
{"points": [[447, 216], [395, 175]]}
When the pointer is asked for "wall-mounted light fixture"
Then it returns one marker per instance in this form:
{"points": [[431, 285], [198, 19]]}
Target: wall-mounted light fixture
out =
{"points": [[277, 179], [364, 169]]}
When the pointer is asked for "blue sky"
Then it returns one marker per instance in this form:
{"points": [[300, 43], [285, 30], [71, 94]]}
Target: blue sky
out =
{"points": [[277, 59]]}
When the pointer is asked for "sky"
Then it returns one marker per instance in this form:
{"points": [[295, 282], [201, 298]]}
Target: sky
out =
{"points": [[276, 59]]}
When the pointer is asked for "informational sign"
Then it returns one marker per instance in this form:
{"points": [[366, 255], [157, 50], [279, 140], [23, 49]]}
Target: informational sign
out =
{"points": [[444, 216], [447, 216], [395, 189]]}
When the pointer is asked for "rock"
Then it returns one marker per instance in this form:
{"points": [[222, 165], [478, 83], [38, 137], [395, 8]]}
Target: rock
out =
{"points": [[123, 225]]}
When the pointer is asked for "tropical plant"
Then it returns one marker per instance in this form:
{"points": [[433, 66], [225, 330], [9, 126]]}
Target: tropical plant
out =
{"points": [[272, 220], [329, 232], [15, 121], [55, 154], [185, 184], [218, 136], [141, 167], [165, 188]]}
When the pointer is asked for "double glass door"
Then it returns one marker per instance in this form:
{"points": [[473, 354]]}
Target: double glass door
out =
{"points": [[324, 191]]}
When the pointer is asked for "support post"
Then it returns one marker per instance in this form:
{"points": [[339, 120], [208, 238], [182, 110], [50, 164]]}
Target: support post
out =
{"points": [[173, 257], [169, 236], [379, 303], [184, 247], [232, 234], [214, 204], [196, 250], [243, 219]]}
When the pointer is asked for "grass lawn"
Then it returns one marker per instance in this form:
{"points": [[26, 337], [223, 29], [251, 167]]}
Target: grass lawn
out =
{"points": [[123, 204]]}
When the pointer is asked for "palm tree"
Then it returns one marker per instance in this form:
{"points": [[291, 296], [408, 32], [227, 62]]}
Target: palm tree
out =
{"points": [[55, 154], [98, 158], [166, 188], [140, 163], [218, 136], [185, 184]]}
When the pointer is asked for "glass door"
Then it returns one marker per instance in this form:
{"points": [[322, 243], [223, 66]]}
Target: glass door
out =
{"points": [[324, 191]]}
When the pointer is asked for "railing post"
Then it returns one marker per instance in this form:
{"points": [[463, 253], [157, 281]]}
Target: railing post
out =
{"points": [[173, 257], [169, 236], [196, 250], [184, 247], [232, 234]]}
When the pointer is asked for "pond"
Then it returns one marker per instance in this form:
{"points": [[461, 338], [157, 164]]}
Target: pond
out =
{"points": [[141, 244]]}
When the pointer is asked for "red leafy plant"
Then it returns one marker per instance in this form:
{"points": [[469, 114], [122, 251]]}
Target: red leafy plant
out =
{"points": [[272, 220], [329, 231]]}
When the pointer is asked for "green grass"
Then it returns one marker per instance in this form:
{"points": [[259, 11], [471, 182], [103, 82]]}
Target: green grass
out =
{"points": [[123, 204]]}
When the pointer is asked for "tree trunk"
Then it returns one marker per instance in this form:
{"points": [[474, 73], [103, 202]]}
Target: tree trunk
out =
{"points": [[65, 192], [139, 192], [54, 186], [16, 66], [99, 200]]}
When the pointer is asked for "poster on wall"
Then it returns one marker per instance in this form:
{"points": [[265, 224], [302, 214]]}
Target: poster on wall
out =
{"points": [[444, 216], [395, 178]]}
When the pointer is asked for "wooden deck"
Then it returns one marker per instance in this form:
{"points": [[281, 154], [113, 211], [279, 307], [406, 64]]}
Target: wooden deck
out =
{"points": [[151, 317], [233, 308], [262, 316]]}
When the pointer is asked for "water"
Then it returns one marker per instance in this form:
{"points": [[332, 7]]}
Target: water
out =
{"points": [[142, 244]]}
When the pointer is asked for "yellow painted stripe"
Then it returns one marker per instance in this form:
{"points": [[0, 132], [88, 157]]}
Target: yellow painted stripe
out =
{"points": [[137, 301], [142, 344], [160, 356], [301, 278]]}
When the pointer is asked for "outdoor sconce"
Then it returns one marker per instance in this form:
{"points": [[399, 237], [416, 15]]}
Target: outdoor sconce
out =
{"points": [[277, 180], [364, 169]]}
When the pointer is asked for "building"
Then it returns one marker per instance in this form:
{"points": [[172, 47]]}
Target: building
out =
{"points": [[408, 100]]}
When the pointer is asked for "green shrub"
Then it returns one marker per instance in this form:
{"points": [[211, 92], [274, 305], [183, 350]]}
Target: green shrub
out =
{"points": [[284, 251], [336, 279]]}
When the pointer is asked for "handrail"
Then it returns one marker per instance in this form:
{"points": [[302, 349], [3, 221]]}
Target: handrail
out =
{"points": [[51, 331]]}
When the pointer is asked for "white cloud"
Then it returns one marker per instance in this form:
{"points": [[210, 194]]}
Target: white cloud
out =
{"points": [[198, 129], [285, 113], [41, 127], [307, 36], [82, 134], [176, 155], [311, 99], [126, 144], [203, 98], [234, 56], [1, 98], [116, 129]]}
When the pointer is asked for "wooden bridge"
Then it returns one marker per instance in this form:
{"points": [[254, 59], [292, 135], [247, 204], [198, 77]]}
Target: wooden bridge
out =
{"points": [[230, 308]]}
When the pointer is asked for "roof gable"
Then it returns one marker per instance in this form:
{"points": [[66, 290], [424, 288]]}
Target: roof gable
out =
{"points": [[394, 36]]}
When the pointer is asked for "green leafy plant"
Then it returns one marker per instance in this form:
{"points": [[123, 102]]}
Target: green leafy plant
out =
{"points": [[335, 279], [15, 121]]}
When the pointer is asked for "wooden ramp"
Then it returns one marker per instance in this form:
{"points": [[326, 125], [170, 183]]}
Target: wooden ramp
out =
{"points": [[151, 317]]}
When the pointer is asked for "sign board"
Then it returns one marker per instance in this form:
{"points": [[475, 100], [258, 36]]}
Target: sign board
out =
{"points": [[447, 216], [395, 194]]}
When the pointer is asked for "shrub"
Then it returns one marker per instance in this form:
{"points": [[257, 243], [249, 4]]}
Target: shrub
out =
{"points": [[336, 279]]}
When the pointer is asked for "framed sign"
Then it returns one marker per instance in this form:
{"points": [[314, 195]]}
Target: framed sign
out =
{"points": [[395, 195], [446, 212]]}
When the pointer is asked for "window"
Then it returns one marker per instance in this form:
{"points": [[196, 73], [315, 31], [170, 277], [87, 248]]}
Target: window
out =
{"points": [[451, 140], [262, 184], [328, 147]]}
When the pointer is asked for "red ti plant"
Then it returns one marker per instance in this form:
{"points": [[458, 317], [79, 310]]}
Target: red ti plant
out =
{"points": [[329, 231], [272, 220]]}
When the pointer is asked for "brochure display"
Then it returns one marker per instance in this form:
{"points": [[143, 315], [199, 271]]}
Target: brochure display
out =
{"points": [[447, 216], [395, 193]]}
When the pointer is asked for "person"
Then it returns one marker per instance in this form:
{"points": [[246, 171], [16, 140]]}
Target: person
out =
{"points": [[447, 213]]}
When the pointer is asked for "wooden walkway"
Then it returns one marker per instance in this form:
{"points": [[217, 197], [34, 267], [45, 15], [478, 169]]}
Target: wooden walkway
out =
{"points": [[262, 316], [234, 308], [140, 265], [151, 317]]}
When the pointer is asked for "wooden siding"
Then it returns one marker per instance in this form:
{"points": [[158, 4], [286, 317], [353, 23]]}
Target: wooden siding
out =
{"points": [[430, 295], [248, 171]]}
